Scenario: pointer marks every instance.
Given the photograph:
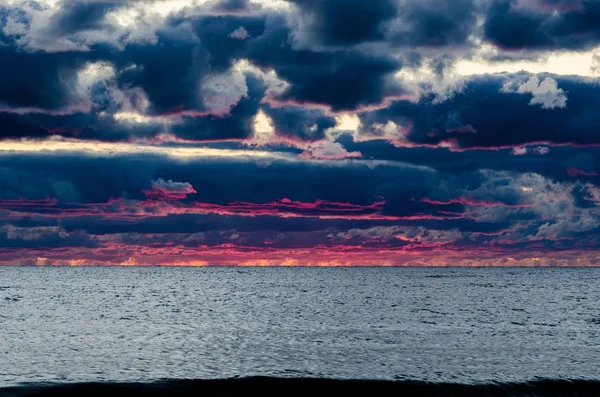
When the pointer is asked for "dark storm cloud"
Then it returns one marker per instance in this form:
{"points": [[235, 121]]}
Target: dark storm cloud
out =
{"points": [[170, 74], [237, 123], [432, 23], [215, 34], [209, 222], [403, 190], [76, 15], [171, 71], [186, 63], [345, 22], [232, 5], [582, 165], [403, 23], [15, 126], [287, 204], [216, 181], [42, 237], [39, 80], [543, 24], [554, 164], [300, 123], [341, 80], [246, 198], [485, 115]]}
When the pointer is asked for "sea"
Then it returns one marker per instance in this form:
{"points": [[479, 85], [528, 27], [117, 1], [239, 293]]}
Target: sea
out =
{"points": [[440, 325]]}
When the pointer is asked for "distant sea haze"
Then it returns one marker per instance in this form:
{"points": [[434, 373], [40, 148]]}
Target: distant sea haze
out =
{"points": [[452, 325]]}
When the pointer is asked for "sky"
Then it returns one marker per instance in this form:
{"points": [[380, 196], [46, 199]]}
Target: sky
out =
{"points": [[300, 132]]}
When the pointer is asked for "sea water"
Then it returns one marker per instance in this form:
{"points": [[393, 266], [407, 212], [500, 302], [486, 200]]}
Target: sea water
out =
{"points": [[467, 325]]}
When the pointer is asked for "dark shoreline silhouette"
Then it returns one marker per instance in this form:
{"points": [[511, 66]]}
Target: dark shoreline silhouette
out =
{"points": [[266, 386]]}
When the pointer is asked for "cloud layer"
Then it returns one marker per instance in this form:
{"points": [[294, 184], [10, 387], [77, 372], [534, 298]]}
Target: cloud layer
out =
{"points": [[272, 132]]}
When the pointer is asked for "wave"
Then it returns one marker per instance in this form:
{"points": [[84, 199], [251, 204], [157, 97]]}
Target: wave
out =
{"points": [[266, 386]]}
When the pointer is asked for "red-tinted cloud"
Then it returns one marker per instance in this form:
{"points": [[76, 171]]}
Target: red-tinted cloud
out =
{"points": [[474, 202], [169, 190], [235, 255], [163, 203], [575, 172]]}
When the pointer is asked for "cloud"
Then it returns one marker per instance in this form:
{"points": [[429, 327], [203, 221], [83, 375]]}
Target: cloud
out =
{"points": [[341, 22], [545, 93], [169, 190], [575, 172], [328, 151], [300, 123], [499, 110], [431, 23], [48, 237], [523, 150], [299, 132], [542, 24], [240, 34], [223, 91]]}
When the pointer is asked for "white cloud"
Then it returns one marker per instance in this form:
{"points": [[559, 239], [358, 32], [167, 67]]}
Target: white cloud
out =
{"points": [[240, 34], [412, 234], [551, 205], [545, 93], [519, 151], [542, 150], [221, 92], [327, 150], [391, 132], [32, 233], [171, 185], [425, 80], [275, 85], [13, 27]]}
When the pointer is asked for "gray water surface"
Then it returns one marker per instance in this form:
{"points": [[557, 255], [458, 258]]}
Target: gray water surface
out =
{"points": [[435, 324]]}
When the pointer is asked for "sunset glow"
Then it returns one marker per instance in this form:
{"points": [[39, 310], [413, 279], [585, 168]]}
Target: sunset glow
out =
{"points": [[294, 133]]}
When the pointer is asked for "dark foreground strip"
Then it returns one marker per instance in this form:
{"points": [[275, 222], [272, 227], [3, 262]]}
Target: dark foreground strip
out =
{"points": [[262, 386]]}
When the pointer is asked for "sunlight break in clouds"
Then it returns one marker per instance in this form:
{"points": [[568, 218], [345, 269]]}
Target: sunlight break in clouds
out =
{"points": [[286, 132]]}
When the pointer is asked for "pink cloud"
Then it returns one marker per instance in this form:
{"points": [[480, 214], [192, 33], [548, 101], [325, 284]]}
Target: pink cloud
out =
{"points": [[163, 202], [474, 202], [115, 253], [169, 190], [575, 172]]}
